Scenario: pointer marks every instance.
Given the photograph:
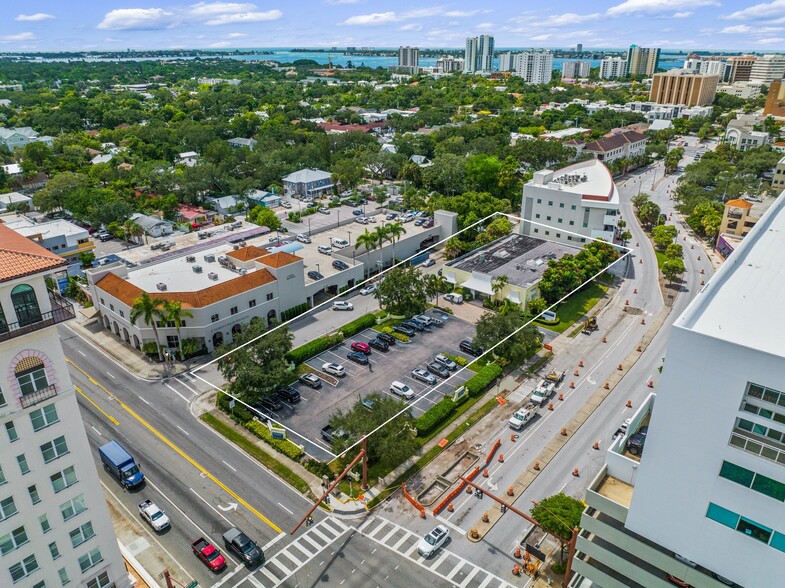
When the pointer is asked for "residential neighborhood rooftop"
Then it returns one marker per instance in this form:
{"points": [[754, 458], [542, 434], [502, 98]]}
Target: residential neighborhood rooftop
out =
{"points": [[19, 256]]}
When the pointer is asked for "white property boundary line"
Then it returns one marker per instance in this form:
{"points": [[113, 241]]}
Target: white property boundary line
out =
{"points": [[627, 252]]}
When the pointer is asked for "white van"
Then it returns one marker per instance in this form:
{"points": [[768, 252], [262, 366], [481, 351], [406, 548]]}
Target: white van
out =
{"points": [[339, 243], [401, 389]]}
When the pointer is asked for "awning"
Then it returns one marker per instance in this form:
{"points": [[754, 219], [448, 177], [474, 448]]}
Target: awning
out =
{"points": [[478, 285], [450, 277]]}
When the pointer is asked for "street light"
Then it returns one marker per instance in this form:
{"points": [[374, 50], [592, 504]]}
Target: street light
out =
{"points": [[317, 269], [309, 226], [350, 237]]}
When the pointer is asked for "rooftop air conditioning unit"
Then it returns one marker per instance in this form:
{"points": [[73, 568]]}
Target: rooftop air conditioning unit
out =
{"points": [[212, 276], [197, 269], [235, 246], [161, 286], [242, 243], [209, 258], [242, 271], [190, 258]]}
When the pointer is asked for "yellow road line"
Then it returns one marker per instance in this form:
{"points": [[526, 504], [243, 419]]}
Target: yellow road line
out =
{"points": [[113, 420], [181, 453]]}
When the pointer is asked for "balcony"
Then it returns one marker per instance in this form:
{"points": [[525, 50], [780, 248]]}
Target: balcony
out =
{"points": [[61, 311], [34, 398]]}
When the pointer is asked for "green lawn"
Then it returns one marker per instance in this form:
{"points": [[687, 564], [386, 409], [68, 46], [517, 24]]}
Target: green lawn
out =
{"points": [[578, 305], [660, 258]]}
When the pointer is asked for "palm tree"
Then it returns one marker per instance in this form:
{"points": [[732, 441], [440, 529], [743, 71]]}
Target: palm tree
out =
{"points": [[382, 234], [137, 231], [367, 240], [149, 309], [394, 232], [434, 284], [175, 313], [498, 283]]}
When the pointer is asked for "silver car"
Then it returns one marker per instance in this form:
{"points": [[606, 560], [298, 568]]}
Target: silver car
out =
{"points": [[424, 376]]}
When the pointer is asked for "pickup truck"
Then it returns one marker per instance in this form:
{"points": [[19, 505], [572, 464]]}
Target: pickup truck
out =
{"points": [[520, 418], [153, 515], [120, 464], [207, 552], [542, 392], [243, 546], [555, 376]]}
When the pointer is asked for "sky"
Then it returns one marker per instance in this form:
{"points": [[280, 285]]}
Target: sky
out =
{"points": [[690, 25]]}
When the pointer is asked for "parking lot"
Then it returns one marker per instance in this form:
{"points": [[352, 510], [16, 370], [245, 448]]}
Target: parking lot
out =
{"points": [[313, 412]]}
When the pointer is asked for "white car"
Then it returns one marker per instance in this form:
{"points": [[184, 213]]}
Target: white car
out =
{"points": [[454, 298], [155, 517], [326, 249], [371, 219], [401, 389], [446, 362], [303, 238], [342, 305], [334, 368], [429, 262], [431, 543], [286, 204], [369, 289], [424, 376]]}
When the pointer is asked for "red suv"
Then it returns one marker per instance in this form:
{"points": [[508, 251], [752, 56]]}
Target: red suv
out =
{"points": [[361, 347]]}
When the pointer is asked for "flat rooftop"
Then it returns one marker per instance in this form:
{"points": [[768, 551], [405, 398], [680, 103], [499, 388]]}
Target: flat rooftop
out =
{"points": [[590, 179], [54, 228], [522, 259], [753, 277], [615, 490]]}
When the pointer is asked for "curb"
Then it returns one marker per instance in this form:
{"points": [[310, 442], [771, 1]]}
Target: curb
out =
{"points": [[137, 567]]}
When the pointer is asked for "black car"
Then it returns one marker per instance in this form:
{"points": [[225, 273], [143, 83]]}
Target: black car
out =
{"points": [[339, 265], [311, 380], [467, 347], [271, 403], [289, 394], [387, 338], [358, 356], [314, 275], [635, 442], [404, 330], [422, 323], [260, 412], [416, 325], [379, 344], [436, 368]]}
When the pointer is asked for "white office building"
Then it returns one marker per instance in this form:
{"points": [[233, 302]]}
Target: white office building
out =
{"points": [[506, 61], [534, 67], [478, 56], [707, 496], [768, 68], [571, 204], [55, 528], [612, 68], [705, 66]]}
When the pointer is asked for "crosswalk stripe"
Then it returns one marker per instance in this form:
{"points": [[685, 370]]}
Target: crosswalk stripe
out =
{"points": [[307, 539], [285, 570], [470, 576], [324, 537], [270, 575]]}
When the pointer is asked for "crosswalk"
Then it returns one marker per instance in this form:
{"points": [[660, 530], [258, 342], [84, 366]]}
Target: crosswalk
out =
{"points": [[450, 567], [445, 564]]}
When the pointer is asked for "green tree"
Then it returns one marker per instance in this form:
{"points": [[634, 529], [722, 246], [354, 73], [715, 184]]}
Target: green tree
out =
{"points": [[394, 232], [493, 327], [367, 240], [649, 213], [558, 515], [663, 235], [674, 251], [150, 311], [255, 366], [672, 268], [264, 217], [86, 259], [348, 172], [391, 444], [639, 200], [435, 285], [175, 313], [402, 291], [498, 284], [53, 195], [536, 306]]}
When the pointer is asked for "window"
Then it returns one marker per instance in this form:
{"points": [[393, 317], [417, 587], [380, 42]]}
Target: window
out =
{"points": [[13, 540], [25, 305], [737, 474], [41, 584], [111, 307], [547, 218], [536, 230], [64, 479], [537, 215], [778, 541], [539, 200], [251, 303], [769, 487], [73, 507], [43, 417], [82, 534], [24, 568], [22, 461], [214, 318], [2, 477], [45, 526], [270, 296], [102, 302], [233, 310], [54, 449], [561, 204], [102, 580], [122, 313], [53, 550], [558, 220], [90, 559], [550, 202], [34, 496], [573, 207], [11, 430], [63, 576], [754, 530], [7, 508], [2, 396], [547, 232], [558, 235]]}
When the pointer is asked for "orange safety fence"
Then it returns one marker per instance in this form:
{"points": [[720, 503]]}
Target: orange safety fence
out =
{"points": [[493, 450], [455, 492], [413, 500]]}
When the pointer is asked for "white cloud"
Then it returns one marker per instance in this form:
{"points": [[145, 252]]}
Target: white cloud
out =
{"points": [[220, 44], [681, 15], [412, 26], [560, 20], [210, 9], [460, 13], [242, 17], [129, 19], [236, 35], [771, 41], [586, 35], [18, 37], [383, 18], [764, 10], [37, 17], [485, 26], [635, 6], [343, 1], [747, 29]]}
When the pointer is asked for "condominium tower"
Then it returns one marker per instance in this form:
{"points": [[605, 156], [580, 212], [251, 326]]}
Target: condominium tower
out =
{"points": [[54, 524], [534, 67], [478, 57], [408, 57], [576, 69], [642, 61], [680, 86], [612, 68], [704, 502]]}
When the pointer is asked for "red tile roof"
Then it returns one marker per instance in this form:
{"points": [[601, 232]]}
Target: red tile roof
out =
{"points": [[247, 253], [19, 256], [615, 141], [279, 259], [127, 292]]}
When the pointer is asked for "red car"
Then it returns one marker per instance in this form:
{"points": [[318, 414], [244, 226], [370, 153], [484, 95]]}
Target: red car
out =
{"points": [[207, 552], [361, 347]]}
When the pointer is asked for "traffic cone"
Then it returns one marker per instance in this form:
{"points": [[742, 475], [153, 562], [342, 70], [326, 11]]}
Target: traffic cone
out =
{"points": [[604, 340], [619, 367], [702, 272], [564, 431], [450, 508], [643, 321], [580, 363], [595, 446], [537, 465], [640, 260], [639, 348], [475, 534], [627, 302], [485, 517], [468, 490], [702, 283], [422, 514], [650, 384], [513, 437], [607, 386], [561, 396], [501, 458], [517, 553], [699, 258], [510, 491], [629, 404], [550, 406], [576, 473], [516, 570], [634, 290], [485, 473], [572, 385], [576, 373]]}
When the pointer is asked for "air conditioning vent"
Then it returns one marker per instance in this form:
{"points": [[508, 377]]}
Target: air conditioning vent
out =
{"points": [[212, 276], [197, 269], [209, 258], [242, 271], [190, 258], [161, 286]]}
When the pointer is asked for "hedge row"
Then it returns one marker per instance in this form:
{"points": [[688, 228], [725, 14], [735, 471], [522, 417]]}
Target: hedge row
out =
{"points": [[400, 336], [359, 324], [284, 446], [307, 351], [480, 381], [294, 311], [434, 416]]}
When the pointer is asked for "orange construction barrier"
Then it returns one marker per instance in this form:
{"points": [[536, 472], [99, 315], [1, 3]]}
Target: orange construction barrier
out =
{"points": [[501, 458], [595, 446], [537, 465], [564, 431], [485, 517], [550, 406], [580, 363], [607, 386], [572, 385]]}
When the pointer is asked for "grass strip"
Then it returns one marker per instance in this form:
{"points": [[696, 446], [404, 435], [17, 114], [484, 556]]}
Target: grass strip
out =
{"points": [[578, 305]]}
